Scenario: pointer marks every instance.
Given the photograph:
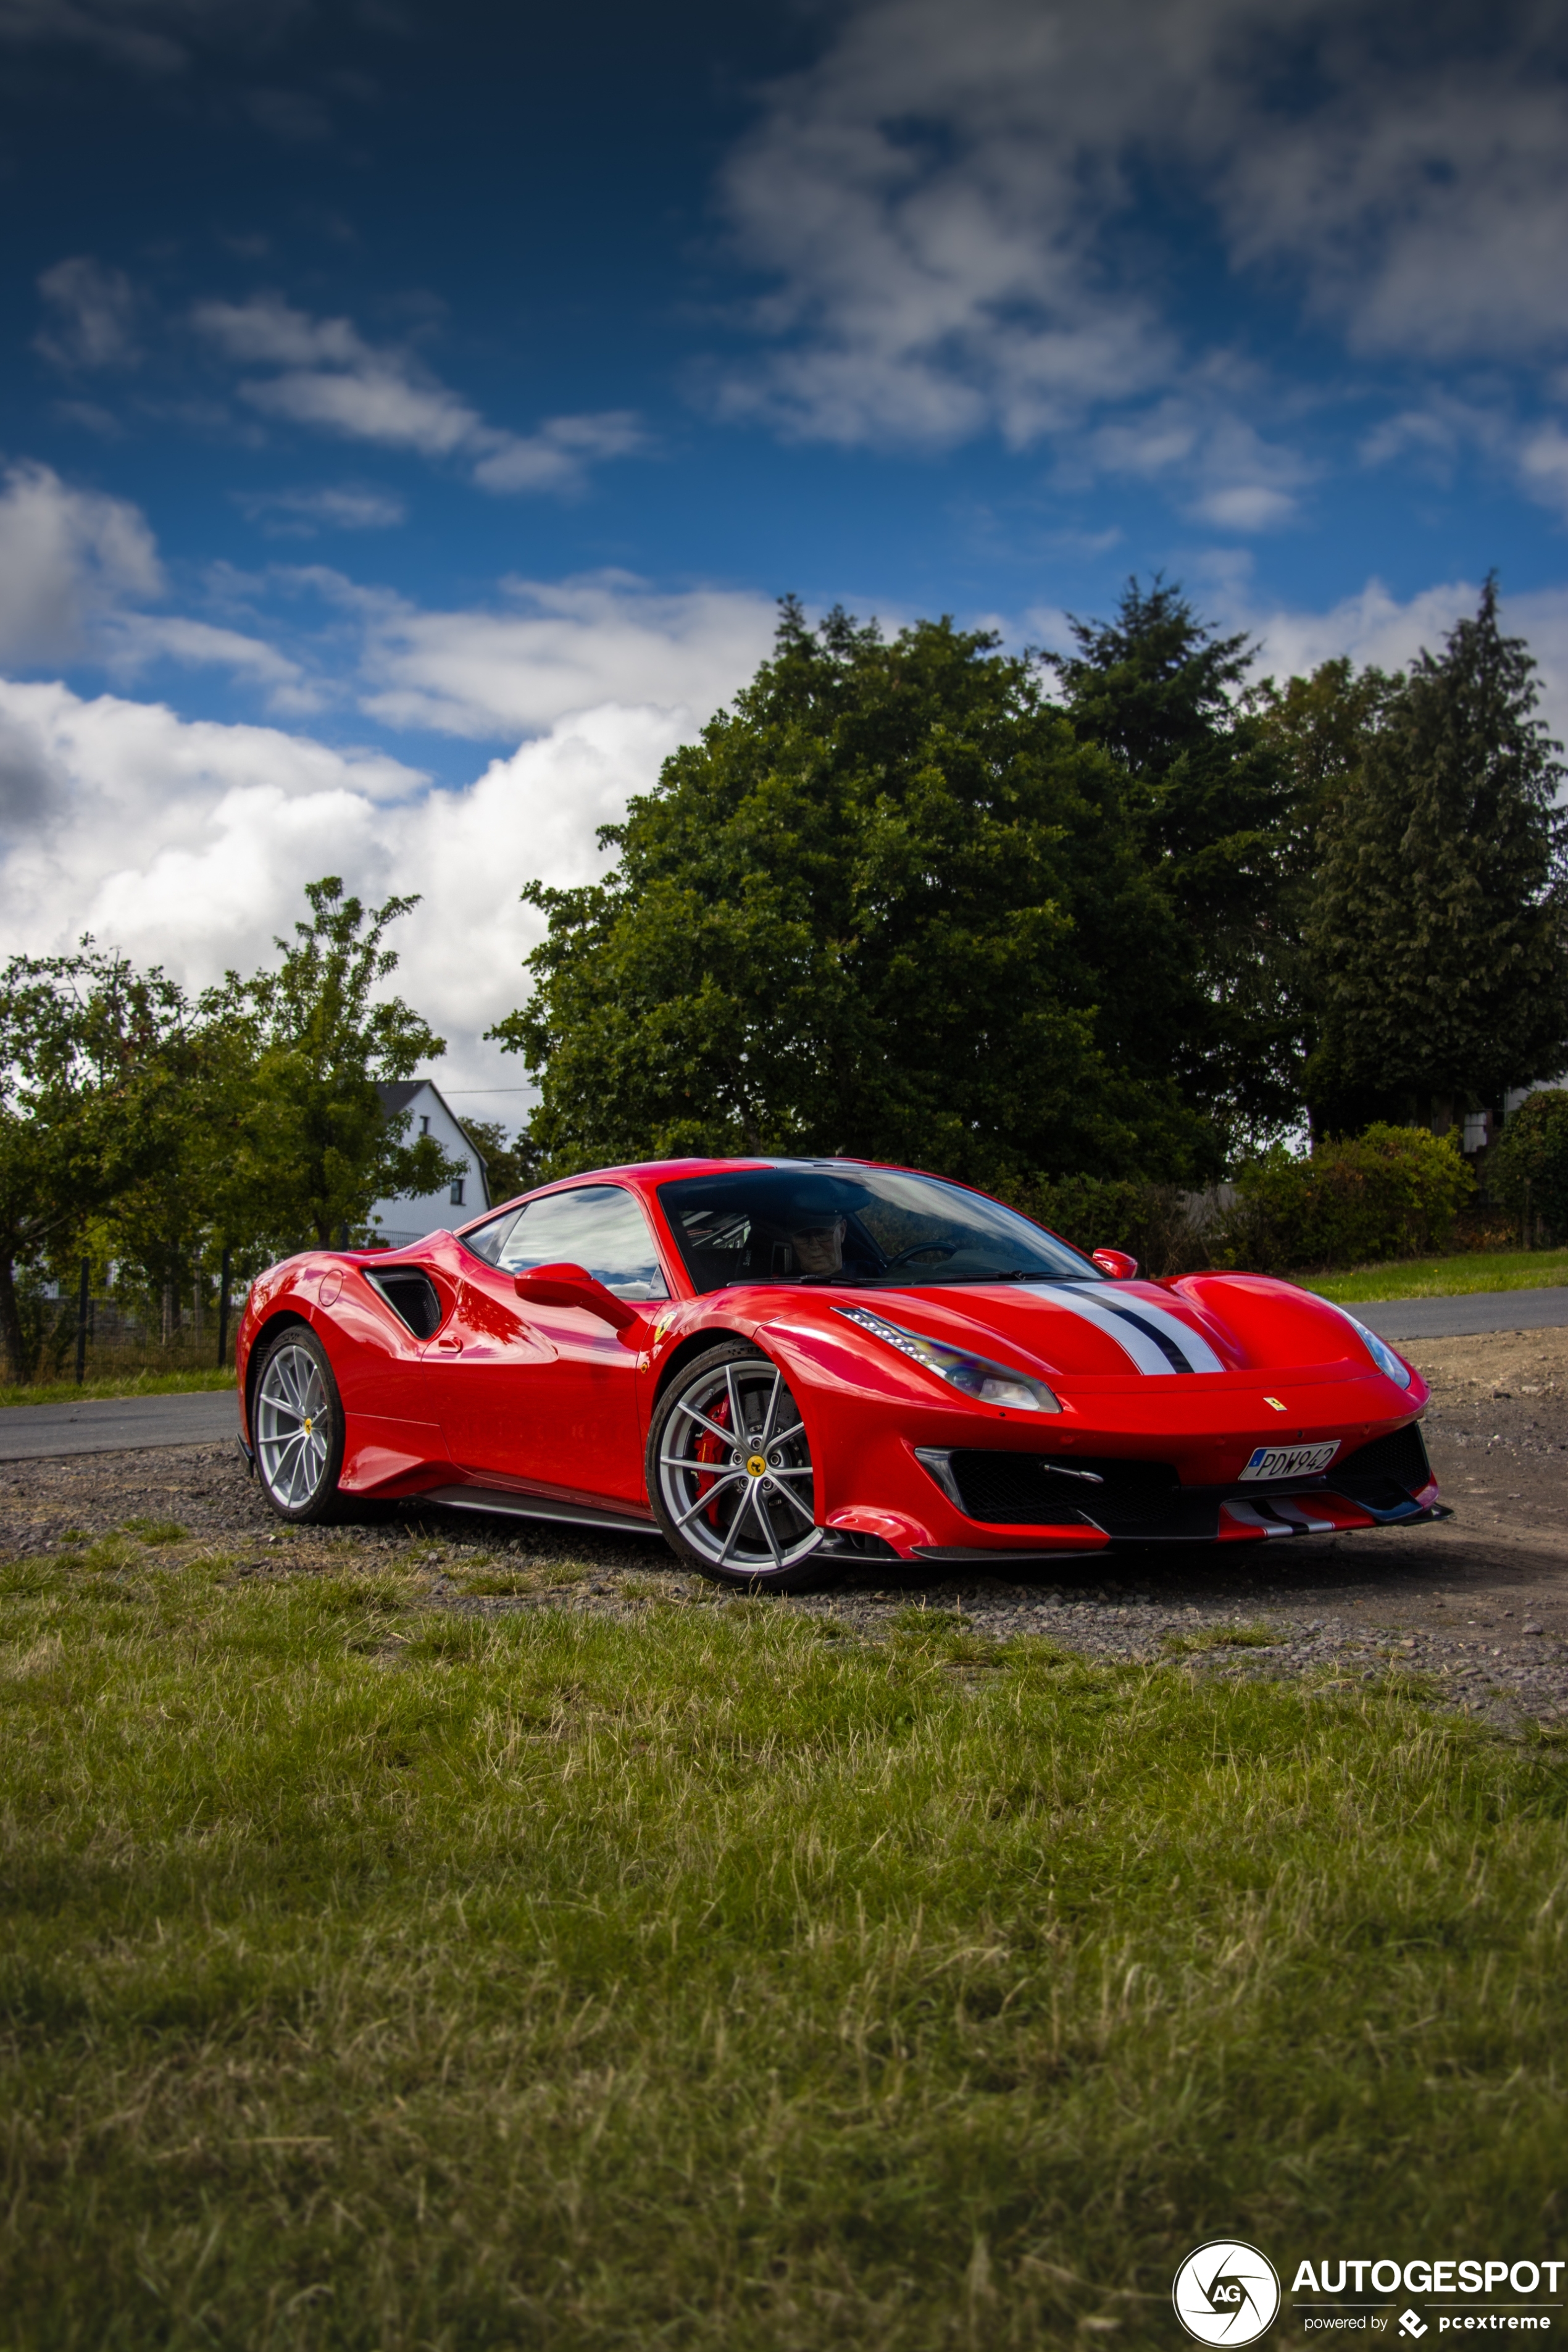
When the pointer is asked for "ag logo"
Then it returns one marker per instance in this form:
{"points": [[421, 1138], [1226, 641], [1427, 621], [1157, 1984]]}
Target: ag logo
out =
{"points": [[1226, 2293]]}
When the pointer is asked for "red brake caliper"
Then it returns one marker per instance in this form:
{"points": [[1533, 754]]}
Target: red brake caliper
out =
{"points": [[711, 1449]]}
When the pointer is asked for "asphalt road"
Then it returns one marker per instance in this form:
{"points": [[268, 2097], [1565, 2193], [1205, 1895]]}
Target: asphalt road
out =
{"points": [[1461, 1318], [36, 1433]]}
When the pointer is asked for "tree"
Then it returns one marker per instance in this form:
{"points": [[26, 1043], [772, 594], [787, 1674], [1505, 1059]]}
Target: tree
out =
{"points": [[166, 1228], [93, 1057], [1438, 932], [1219, 817], [317, 1152], [509, 1167], [890, 906], [1527, 1168]]}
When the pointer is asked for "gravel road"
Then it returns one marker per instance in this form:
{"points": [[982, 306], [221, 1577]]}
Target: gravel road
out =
{"points": [[1476, 1608]]}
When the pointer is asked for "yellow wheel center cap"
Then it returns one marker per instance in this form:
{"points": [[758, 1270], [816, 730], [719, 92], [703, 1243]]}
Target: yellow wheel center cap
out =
{"points": [[755, 1465], [308, 1419]]}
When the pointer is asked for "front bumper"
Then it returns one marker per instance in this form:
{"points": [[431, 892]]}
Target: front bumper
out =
{"points": [[1038, 1505]]}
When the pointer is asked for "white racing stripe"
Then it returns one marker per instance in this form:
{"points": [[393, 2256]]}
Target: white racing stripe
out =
{"points": [[1153, 1338]]}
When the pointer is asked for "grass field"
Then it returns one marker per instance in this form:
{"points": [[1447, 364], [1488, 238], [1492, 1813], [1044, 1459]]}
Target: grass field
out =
{"points": [[121, 1384], [376, 1977], [1445, 1277]]}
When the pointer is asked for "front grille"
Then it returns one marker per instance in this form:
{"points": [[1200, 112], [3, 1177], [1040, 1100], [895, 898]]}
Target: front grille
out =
{"points": [[1386, 1472], [1145, 1502], [1016, 1490]]}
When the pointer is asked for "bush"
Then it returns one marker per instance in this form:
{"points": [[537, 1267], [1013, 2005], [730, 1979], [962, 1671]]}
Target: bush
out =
{"points": [[1526, 1168], [1393, 1191], [1151, 1222]]}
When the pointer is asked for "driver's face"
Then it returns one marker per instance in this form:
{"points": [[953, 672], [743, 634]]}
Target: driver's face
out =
{"points": [[822, 1251]]}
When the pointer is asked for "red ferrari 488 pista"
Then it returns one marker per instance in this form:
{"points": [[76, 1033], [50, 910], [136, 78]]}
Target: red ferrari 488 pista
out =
{"points": [[782, 1366]]}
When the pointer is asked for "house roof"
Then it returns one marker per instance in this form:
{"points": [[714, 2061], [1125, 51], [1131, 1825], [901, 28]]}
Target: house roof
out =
{"points": [[396, 1095]]}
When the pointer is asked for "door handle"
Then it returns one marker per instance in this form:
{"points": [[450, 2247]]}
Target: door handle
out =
{"points": [[450, 1346]]}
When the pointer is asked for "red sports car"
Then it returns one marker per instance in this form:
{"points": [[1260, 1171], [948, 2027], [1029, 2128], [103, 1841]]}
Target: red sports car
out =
{"points": [[785, 1365]]}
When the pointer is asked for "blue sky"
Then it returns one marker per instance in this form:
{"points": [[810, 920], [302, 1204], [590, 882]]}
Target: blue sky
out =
{"points": [[408, 414]]}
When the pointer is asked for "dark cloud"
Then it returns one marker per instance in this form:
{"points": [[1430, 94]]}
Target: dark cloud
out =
{"points": [[91, 316], [31, 783]]}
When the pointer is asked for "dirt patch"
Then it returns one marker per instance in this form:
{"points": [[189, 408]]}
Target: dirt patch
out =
{"points": [[1476, 1609]]}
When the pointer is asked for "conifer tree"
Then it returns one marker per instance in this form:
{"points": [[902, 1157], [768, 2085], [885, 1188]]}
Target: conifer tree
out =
{"points": [[1213, 791], [1441, 921]]}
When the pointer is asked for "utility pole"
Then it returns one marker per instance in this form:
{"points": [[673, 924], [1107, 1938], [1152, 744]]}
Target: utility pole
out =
{"points": [[222, 1309], [83, 1301]]}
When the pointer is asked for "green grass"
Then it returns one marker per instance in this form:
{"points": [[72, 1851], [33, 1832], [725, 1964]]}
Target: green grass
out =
{"points": [[123, 1384], [1445, 1277], [1219, 1637], [376, 1977]]}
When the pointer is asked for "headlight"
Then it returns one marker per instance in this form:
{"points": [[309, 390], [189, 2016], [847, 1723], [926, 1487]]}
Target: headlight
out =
{"points": [[1382, 1354], [973, 1376]]}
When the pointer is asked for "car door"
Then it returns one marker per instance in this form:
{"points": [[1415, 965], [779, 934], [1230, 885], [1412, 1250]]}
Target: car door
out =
{"points": [[547, 1395]]}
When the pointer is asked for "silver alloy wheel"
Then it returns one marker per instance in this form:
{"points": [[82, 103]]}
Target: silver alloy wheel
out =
{"points": [[293, 1427], [734, 1469]]}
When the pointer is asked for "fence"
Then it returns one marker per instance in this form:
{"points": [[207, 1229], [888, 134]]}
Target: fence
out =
{"points": [[77, 1331]]}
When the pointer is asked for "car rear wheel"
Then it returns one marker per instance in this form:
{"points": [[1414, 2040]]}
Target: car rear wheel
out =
{"points": [[730, 1472], [296, 1421]]}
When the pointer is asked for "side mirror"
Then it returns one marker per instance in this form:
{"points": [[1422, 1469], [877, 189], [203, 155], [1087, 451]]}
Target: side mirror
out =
{"points": [[574, 1286], [1116, 1263]]}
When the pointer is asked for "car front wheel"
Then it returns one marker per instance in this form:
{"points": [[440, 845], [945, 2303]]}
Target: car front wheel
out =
{"points": [[297, 1424], [730, 1472]]}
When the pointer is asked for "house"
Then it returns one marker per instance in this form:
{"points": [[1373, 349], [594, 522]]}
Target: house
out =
{"points": [[396, 1223]]}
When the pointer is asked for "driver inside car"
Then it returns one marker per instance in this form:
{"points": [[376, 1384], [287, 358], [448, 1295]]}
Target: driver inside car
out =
{"points": [[820, 1248]]}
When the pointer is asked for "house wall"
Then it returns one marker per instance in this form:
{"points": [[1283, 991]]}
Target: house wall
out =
{"points": [[399, 1221]]}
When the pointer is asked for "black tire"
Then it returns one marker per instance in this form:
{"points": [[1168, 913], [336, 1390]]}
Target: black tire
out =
{"points": [[297, 1426], [744, 1513]]}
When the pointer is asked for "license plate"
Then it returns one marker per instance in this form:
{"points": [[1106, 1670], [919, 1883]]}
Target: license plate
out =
{"points": [[1289, 1460]]}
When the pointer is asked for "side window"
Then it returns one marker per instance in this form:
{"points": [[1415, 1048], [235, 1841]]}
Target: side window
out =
{"points": [[599, 1226], [488, 1241]]}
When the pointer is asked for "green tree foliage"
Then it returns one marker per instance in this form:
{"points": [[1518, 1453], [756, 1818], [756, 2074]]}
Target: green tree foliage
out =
{"points": [[1226, 832], [891, 906], [315, 1151], [1527, 1168], [1437, 930], [511, 1167], [165, 1230], [94, 1061]]}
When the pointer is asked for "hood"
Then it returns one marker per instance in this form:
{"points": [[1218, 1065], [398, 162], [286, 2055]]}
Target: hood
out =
{"points": [[1198, 1326]]}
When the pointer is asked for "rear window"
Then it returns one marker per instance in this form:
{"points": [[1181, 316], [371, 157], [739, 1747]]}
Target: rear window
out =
{"points": [[599, 1226]]}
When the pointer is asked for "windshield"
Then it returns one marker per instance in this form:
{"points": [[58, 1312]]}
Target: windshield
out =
{"points": [[866, 1226]]}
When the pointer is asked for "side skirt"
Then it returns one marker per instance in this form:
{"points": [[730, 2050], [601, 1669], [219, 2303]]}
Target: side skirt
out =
{"points": [[535, 1506]]}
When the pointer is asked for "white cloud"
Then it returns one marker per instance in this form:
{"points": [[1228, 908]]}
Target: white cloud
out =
{"points": [[559, 647], [1375, 626], [957, 212], [93, 316], [130, 641], [1435, 435], [189, 844], [328, 377], [1224, 472], [300, 514], [68, 558], [1544, 466]]}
